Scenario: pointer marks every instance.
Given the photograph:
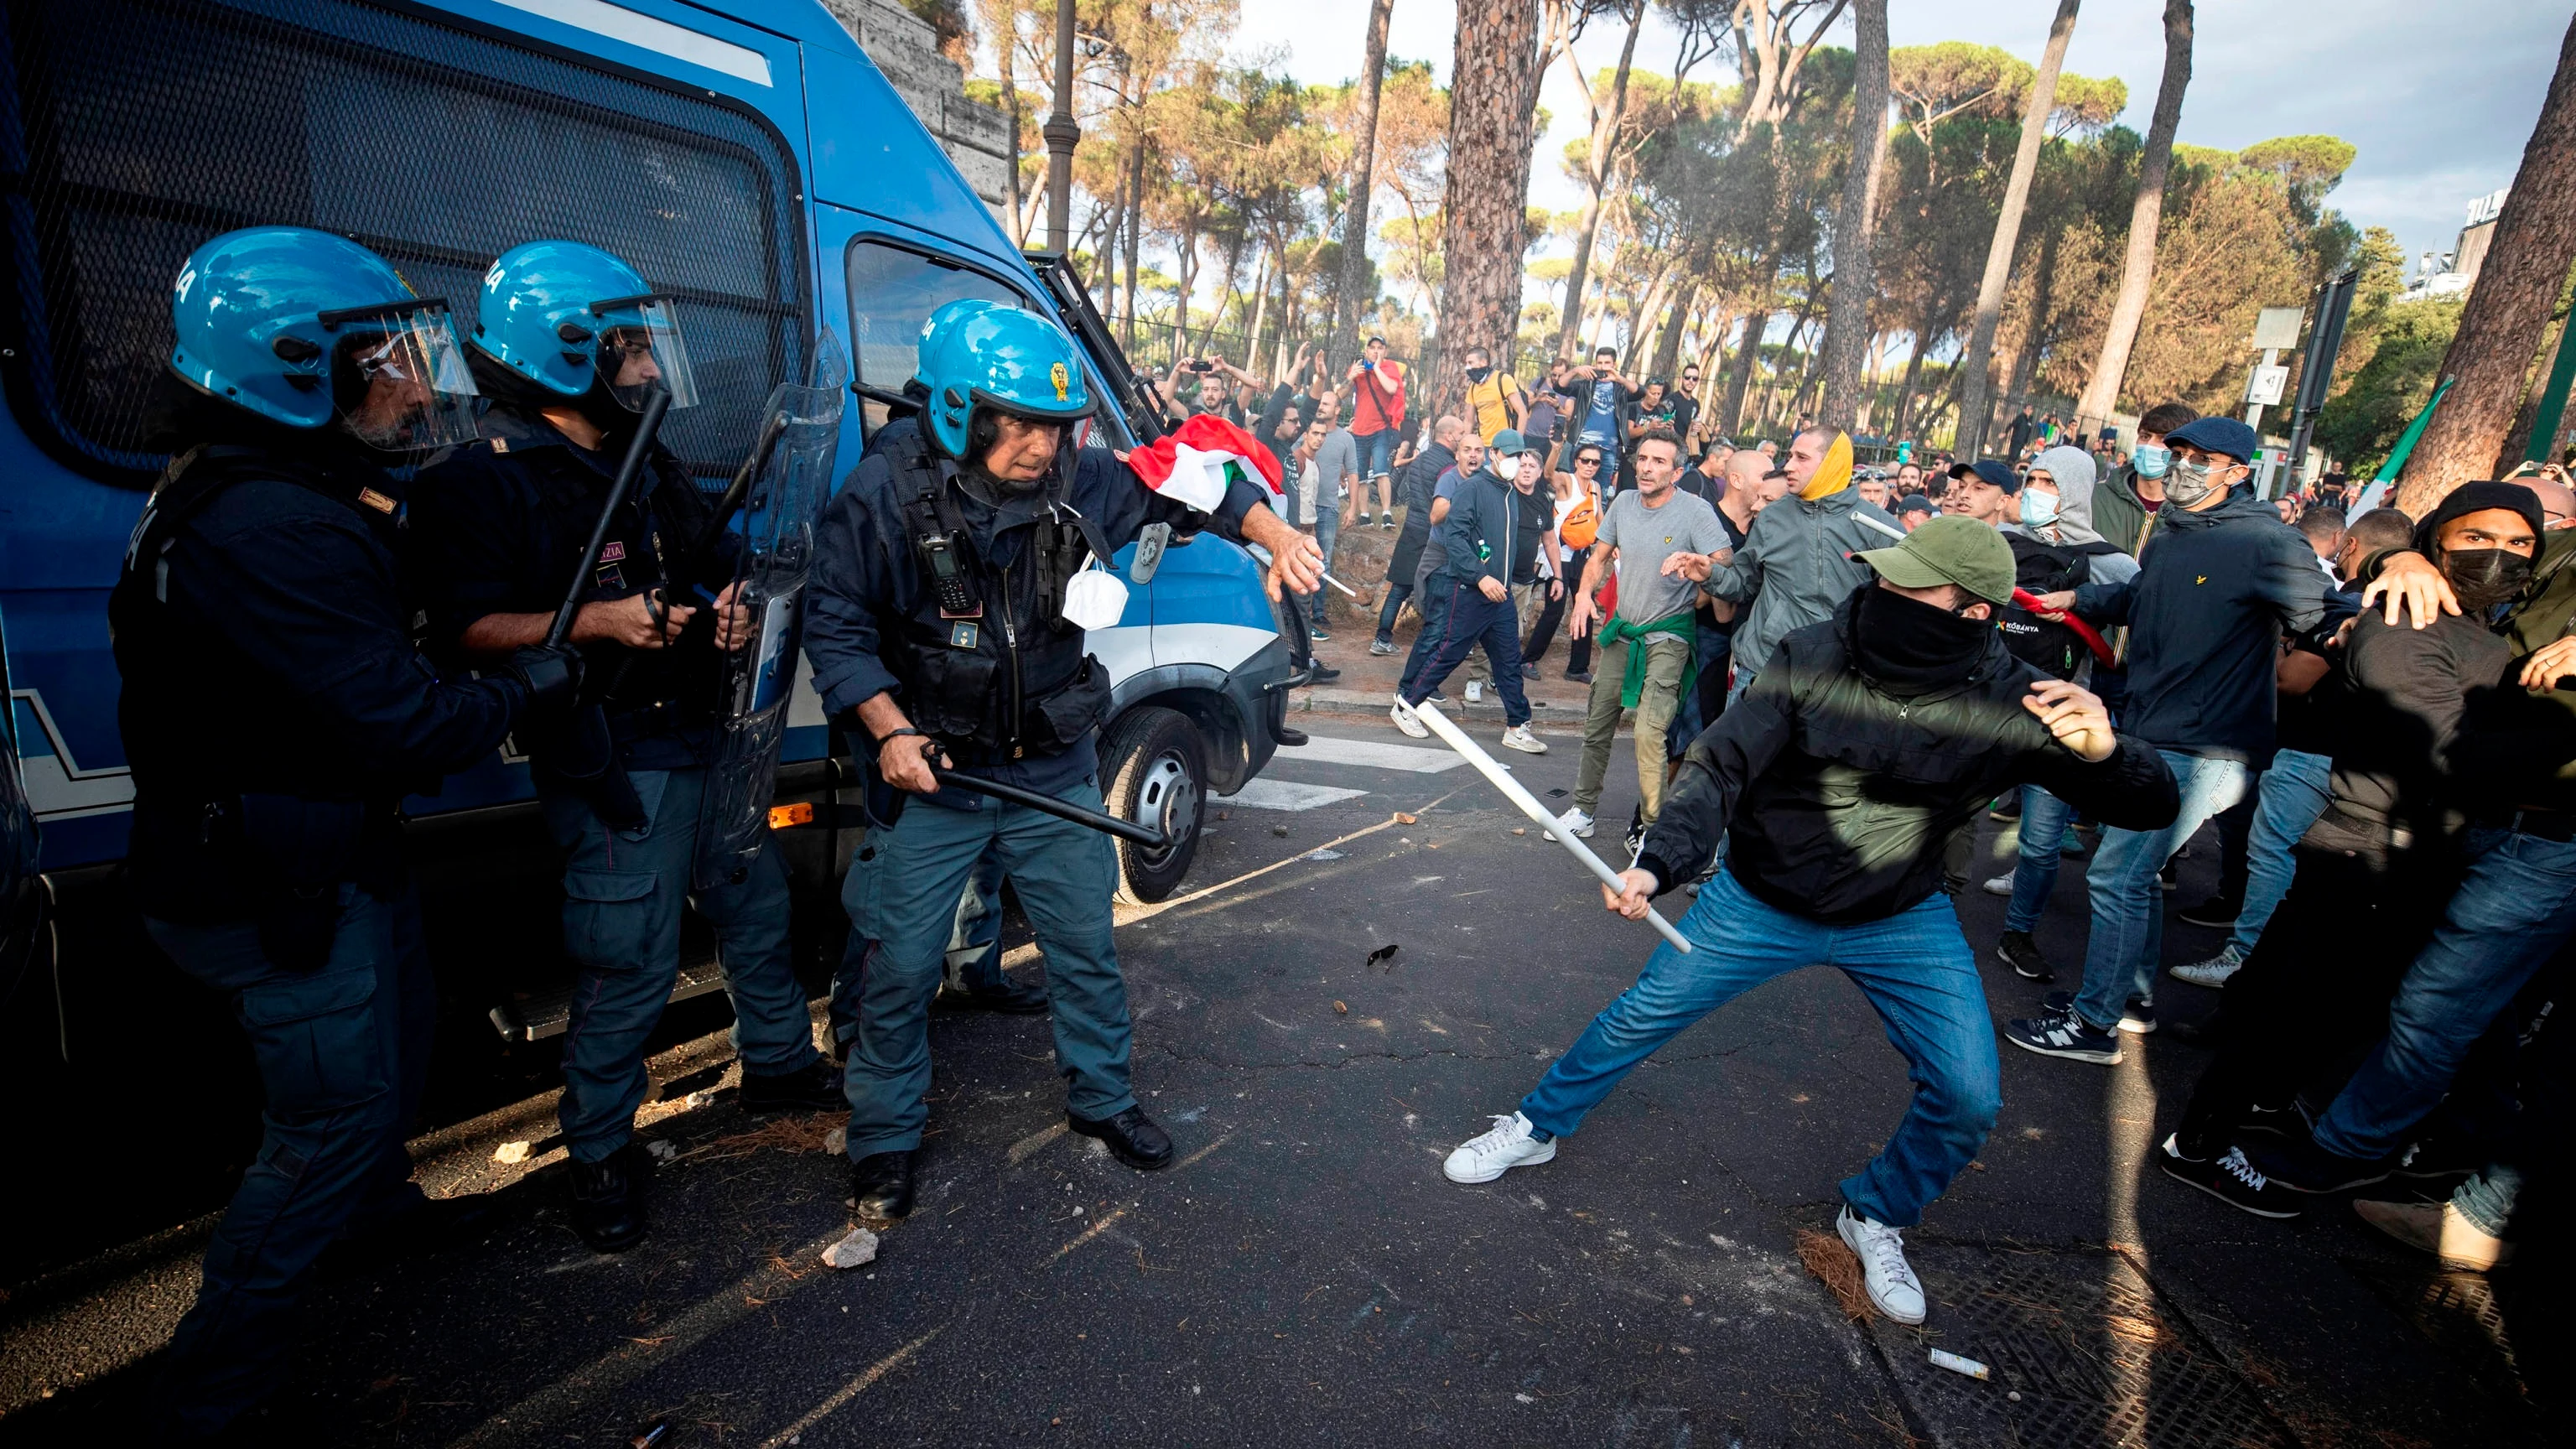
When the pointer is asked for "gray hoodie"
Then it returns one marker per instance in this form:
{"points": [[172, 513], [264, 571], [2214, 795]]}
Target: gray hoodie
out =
{"points": [[2074, 470]]}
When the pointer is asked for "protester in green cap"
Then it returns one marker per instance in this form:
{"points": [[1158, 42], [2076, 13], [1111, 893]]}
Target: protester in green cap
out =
{"points": [[1848, 781]]}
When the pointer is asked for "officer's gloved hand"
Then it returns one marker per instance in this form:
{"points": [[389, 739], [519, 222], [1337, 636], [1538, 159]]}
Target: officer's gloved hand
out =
{"points": [[552, 678]]}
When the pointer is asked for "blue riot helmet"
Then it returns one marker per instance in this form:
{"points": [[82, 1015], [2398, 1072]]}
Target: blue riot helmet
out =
{"points": [[976, 354], [568, 317], [302, 327]]}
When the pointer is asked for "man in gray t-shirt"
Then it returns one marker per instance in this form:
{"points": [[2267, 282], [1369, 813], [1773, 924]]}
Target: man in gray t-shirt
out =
{"points": [[1647, 648], [1337, 467]]}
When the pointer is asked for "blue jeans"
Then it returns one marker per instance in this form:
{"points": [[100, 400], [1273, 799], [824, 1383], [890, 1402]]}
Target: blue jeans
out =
{"points": [[902, 893], [1468, 619], [1328, 527], [2287, 800], [2530, 1147], [2514, 909], [623, 893], [2128, 906], [342, 1054], [2045, 820], [1433, 603], [1914, 967], [1396, 594]]}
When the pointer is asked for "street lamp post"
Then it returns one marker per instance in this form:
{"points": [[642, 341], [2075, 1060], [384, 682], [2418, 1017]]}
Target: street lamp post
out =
{"points": [[1061, 133]]}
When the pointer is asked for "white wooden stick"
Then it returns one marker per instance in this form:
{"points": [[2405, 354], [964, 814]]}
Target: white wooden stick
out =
{"points": [[1345, 588], [1456, 739]]}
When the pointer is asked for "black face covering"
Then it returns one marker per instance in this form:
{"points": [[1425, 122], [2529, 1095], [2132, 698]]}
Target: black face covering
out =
{"points": [[2485, 577], [1908, 648], [1479, 374]]}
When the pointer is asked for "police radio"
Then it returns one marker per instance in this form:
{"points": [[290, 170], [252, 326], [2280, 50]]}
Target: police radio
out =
{"points": [[948, 575]]}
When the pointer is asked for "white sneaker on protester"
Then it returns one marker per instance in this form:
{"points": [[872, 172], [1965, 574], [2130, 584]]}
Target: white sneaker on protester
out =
{"points": [[1881, 1250], [2212, 973], [1518, 737], [1407, 721], [1576, 821], [1509, 1145], [1475, 691], [2000, 885]]}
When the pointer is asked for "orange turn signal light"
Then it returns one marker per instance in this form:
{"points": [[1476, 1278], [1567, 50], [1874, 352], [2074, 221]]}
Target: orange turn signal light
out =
{"points": [[782, 816]]}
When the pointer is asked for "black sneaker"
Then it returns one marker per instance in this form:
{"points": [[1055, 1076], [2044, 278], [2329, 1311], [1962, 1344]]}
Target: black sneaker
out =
{"points": [[2064, 1034], [2288, 1121], [1529, 671], [1322, 675], [2217, 913], [2138, 1018], [2021, 953], [1579, 676], [2435, 1158], [814, 1088], [607, 1199], [1436, 697], [2230, 1179], [2295, 1161]]}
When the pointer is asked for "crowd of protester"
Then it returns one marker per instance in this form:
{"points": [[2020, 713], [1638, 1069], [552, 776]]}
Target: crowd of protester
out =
{"points": [[2365, 704]]}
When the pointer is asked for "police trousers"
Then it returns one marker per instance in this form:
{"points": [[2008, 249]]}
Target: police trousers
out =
{"points": [[623, 893], [902, 893], [342, 1054]]}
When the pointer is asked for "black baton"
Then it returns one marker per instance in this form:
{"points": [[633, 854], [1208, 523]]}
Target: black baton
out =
{"points": [[637, 451], [704, 545], [1123, 829]]}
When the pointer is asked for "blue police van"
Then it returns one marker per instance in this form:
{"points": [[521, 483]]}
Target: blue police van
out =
{"points": [[745, 155]]}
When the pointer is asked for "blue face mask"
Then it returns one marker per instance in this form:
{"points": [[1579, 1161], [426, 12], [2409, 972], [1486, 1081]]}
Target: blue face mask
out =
{"points": [[2151, 459], [2038, 510]]}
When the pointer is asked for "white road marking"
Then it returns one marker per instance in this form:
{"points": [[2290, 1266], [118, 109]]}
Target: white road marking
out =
{"points": [[1375, 754], [1283, 795]]}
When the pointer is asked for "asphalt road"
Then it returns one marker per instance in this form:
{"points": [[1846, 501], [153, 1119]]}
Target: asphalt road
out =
{"points": [[1304, 1274]]}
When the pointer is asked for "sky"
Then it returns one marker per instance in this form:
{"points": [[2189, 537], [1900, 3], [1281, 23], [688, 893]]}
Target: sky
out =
{"points": [[2438, 97]]}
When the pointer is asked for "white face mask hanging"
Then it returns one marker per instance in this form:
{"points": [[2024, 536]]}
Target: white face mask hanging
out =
{"points": [[1095, 598]]}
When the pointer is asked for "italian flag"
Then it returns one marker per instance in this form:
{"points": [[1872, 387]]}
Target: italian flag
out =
{"points": [[1194, 463]]}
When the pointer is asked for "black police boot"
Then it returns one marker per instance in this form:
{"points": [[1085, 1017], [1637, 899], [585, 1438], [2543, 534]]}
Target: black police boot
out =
{"points": [[608, 1200], [1132, 1137], [1006, 996], [815, 1087], [881, 1187]]}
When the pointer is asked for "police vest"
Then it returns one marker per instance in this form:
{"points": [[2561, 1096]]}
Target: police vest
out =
{"points": [[986, 657], [231, 802]]}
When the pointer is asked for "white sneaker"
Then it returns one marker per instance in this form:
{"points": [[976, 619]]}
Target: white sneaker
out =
{"points": [[2212, 973], [1508, 1145], [1407, 721], [1883, 1268], [2000, 885], [1518, 737], [1475, 691], [1576, 821]]}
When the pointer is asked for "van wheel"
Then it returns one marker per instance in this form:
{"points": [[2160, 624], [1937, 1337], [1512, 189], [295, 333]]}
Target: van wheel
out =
{"points": [[1157, 770]]}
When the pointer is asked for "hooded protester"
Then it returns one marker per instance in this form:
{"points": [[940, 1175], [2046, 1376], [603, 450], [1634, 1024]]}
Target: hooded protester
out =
{"points": [[2422, 715], [1850, 779], [1801, 560]]}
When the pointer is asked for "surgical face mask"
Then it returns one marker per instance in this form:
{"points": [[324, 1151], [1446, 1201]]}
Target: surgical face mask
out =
{"points": [[2485, 577], [1094, 599], [2038, 510], [2190, 484], [2151, 459]]}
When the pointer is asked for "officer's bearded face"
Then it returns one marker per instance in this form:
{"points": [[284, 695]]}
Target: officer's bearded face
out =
{"points": [[1022, 452]]}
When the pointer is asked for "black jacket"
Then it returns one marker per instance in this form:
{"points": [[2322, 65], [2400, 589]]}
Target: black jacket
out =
{"points": [[1849, 805], [2396, 711], [2206, 612], [1420, 477]]}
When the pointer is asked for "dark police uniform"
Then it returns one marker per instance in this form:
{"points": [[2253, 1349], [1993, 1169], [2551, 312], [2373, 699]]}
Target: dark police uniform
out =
{"points": [[275, 714], [502, 524], [1009, 690]]}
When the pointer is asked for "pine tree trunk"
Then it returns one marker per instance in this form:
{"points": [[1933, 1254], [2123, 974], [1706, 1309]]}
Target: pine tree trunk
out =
{"points": [[2102, 392], [1135, 228], [1847, 331], [1747, 353], [2507, 315], [1905, 389], [1347, 301], [1976, 385], [1006, 15], [1492, 104], [1605, 137], [1668, 346]]}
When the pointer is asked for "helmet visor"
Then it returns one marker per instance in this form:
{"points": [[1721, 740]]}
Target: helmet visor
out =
{"points": [[640, 347], [400, 382]]}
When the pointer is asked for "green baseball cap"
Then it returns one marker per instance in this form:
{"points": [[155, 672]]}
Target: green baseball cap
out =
{"points": [[1949, 550], [1507, 444]]}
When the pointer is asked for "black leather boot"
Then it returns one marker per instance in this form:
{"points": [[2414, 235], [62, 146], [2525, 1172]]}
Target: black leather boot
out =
{"points": [[608, 1201], [881, 1188], [816, 1087], [1132, 1137], [1006, 996]]}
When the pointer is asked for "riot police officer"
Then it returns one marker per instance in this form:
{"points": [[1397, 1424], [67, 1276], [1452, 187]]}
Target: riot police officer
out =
{"points": [[275, 714], [937, 630], [569, 343]]}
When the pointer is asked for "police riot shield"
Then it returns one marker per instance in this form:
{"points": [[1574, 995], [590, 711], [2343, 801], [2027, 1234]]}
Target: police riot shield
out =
{"points": [[781, 490]]}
